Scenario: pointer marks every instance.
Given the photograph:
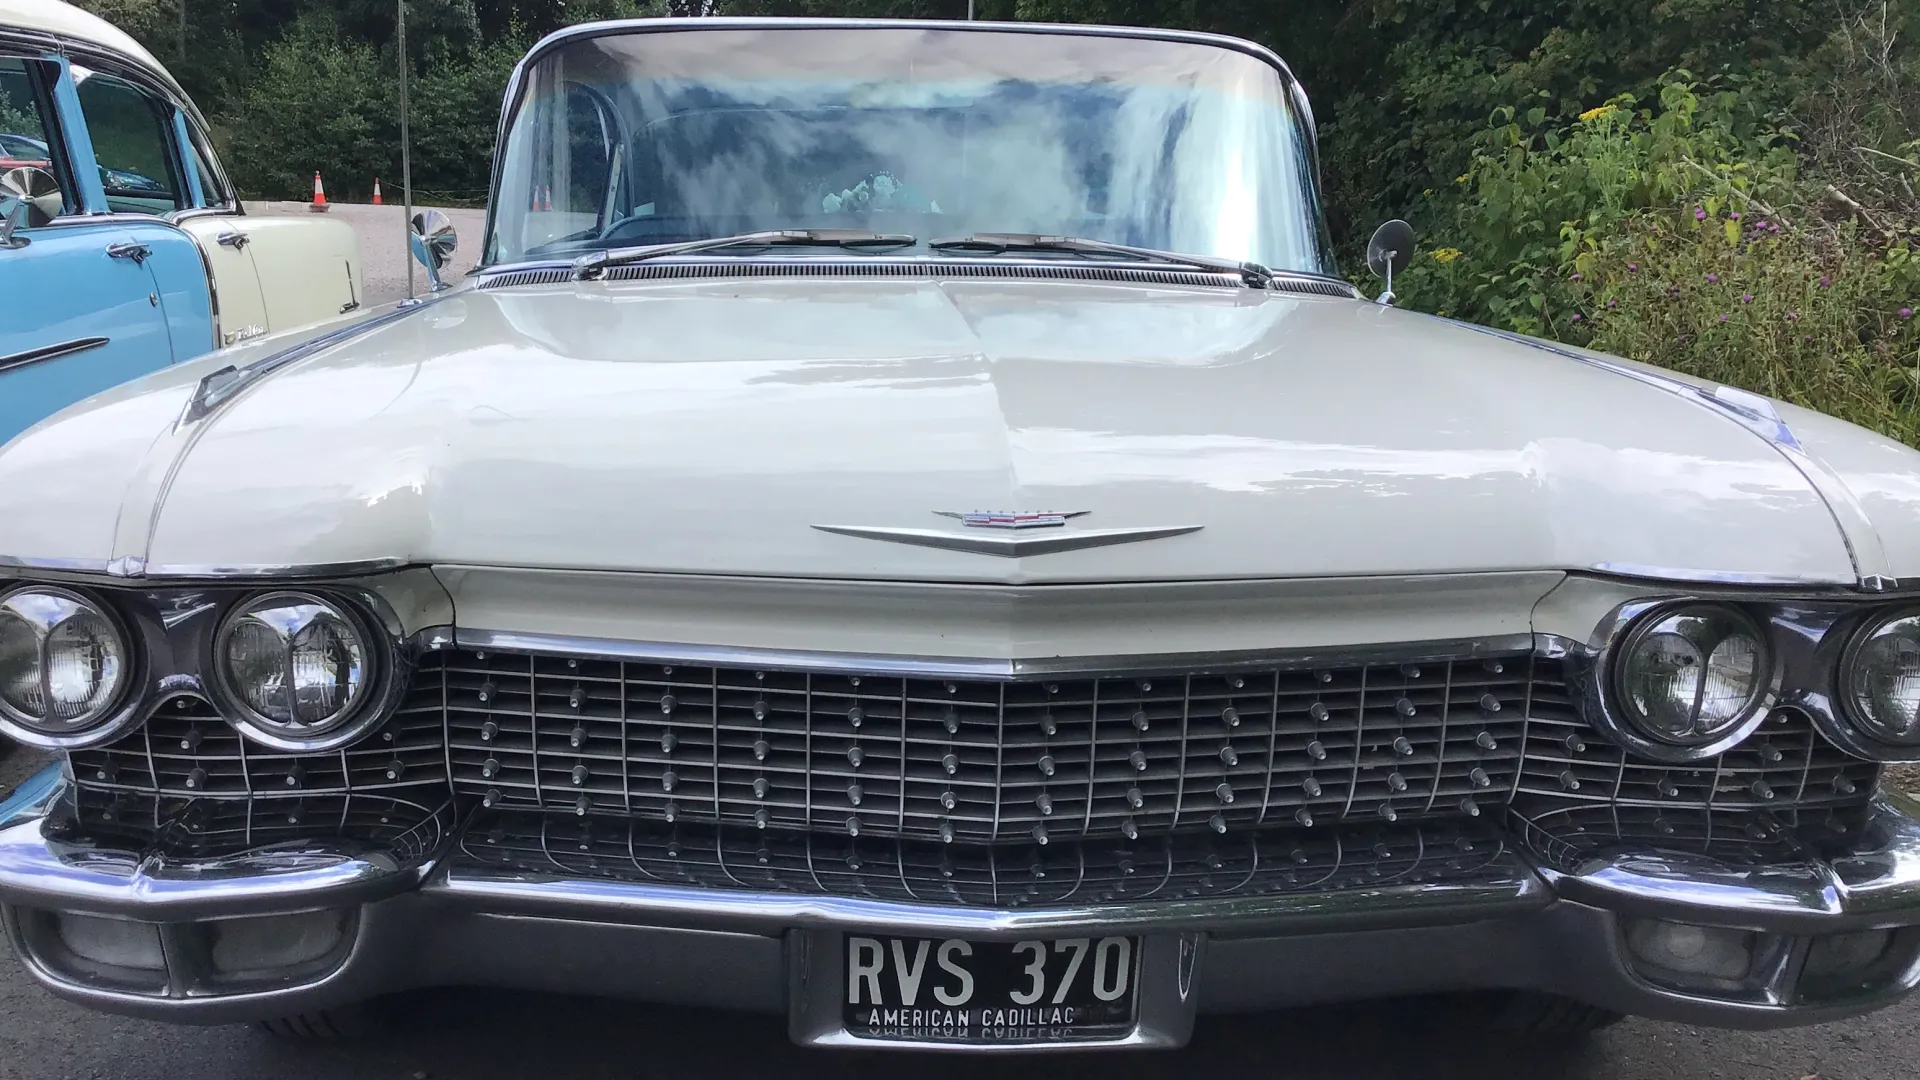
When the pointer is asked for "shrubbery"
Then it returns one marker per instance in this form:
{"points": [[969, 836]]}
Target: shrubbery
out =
{"points": [[1683, 232], [324, 101]]}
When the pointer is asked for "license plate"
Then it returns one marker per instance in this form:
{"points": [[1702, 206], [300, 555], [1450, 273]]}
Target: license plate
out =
{"points": [[990, 991]]}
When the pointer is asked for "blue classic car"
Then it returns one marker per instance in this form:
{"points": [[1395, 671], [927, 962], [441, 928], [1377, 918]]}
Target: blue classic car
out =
{"points": [[123, 249]]}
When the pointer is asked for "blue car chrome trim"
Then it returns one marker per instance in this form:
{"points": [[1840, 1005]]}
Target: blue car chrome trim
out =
{"points": [[50, 352]]}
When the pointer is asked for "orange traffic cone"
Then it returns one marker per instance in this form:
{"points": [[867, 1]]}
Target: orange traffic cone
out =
{"points": [[319, 204], [376, 192]]}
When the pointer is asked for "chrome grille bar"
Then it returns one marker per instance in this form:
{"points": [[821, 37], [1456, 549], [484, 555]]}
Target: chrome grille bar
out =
{"points": [[980, 760]]}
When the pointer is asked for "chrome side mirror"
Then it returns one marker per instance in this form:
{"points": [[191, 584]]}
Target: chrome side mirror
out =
{"points": [[433, 241], [1389, 252], [10, 220], [29, 198]]}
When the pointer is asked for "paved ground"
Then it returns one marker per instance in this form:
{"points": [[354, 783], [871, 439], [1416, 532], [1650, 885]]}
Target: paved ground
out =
{"points": [[475, 1035], [383, 243]]}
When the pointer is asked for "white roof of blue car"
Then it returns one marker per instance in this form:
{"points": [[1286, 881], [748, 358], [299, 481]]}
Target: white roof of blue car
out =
{"points": [[71, 23]]}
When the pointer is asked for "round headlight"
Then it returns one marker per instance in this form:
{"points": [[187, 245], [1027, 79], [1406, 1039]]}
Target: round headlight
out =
{"points": [[1690, 675], [298, 666], [64, 663], [1880, 681]]}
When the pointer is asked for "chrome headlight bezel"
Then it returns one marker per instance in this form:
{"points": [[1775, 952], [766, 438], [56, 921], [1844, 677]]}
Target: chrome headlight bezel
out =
{"points": [[1607, 711], [121, 709], [356, 721], [1849, 729]]}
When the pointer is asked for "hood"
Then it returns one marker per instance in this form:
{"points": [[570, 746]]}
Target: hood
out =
{"points": [[711, 426]]}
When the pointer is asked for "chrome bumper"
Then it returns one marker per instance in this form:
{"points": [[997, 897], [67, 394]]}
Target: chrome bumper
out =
{"points": [[436, 919]]}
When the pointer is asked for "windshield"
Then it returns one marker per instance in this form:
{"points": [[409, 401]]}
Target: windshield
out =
{"points": [[632, 138]]}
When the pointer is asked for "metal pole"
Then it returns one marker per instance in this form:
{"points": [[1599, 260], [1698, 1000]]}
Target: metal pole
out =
{"points": [[969, 10], [406, 151]]}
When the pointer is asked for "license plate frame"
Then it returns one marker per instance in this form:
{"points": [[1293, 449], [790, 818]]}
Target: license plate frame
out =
{"points": [[1159, 1009], [964, 990]]}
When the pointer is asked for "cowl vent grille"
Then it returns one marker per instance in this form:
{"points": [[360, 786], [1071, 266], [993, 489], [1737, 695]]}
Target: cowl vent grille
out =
{"points": [[871, 268]]}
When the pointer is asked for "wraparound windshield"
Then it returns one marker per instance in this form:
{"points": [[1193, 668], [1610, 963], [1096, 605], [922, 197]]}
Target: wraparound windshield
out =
{"points": [[631, 138]]}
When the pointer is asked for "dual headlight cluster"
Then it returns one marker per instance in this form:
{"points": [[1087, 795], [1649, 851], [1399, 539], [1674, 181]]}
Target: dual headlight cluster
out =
{"points": [[294, 669], [1694, 677]]}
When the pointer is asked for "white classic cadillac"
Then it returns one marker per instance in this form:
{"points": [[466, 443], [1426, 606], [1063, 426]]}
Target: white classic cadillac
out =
{"points": [[905, 530]]}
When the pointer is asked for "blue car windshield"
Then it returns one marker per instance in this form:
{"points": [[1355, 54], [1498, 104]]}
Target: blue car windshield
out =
{"points": [[644, 136]]}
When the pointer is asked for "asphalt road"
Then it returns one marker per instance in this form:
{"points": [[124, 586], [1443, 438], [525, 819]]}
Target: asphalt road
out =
{"points": [[476, 1035], [383, 245]]}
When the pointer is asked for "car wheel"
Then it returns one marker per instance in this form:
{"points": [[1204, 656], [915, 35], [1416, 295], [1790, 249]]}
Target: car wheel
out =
{"points": [[1548, 1014], [346, 1022]]}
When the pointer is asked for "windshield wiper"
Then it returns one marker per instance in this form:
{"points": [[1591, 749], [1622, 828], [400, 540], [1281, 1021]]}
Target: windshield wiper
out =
{"points": [[590, 266], [1255, 275]]}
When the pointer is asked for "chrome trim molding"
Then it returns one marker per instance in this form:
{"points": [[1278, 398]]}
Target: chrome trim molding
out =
{"points": [[264, 571], [1756, 414], [133, 568], [221, 386], [479, 888], [935, 268], [1011, 547], [985, 668], [1687, 576], [50, 352], [16, 565]]}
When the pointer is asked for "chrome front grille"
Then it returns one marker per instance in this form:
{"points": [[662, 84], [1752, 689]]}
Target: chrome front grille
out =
{"points": [[1784, 763], [408, 826], [982, 761], [1184, 867], [186, 749]]}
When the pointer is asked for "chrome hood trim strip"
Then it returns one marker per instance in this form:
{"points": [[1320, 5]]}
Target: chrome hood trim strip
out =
{"points": [[1872, 572], [147, 494], [1004, 669]]}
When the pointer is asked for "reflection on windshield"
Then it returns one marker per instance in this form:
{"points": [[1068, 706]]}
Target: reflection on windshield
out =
{"points": [[663, 137]]}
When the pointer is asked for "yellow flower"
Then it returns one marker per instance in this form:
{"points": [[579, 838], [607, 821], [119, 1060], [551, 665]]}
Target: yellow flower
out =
{"points": [[1446, 255], [1595, 114], [1463, 178]]}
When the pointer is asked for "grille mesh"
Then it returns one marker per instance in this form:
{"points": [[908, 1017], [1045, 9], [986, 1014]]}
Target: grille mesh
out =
{"points": [[186, 749], [982, 761], [1266, 862]]}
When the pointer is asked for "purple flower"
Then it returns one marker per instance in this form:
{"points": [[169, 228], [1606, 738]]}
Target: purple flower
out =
{"points": [[1723, 318], [1906, 313], [1746, 298], [1633, 266], [1825, 281], [1699, 213], [1713, 279], [1575, 277], [1613, 303], [1773, 226], [1733, 215], [1792, 315], [1576, 317]]}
